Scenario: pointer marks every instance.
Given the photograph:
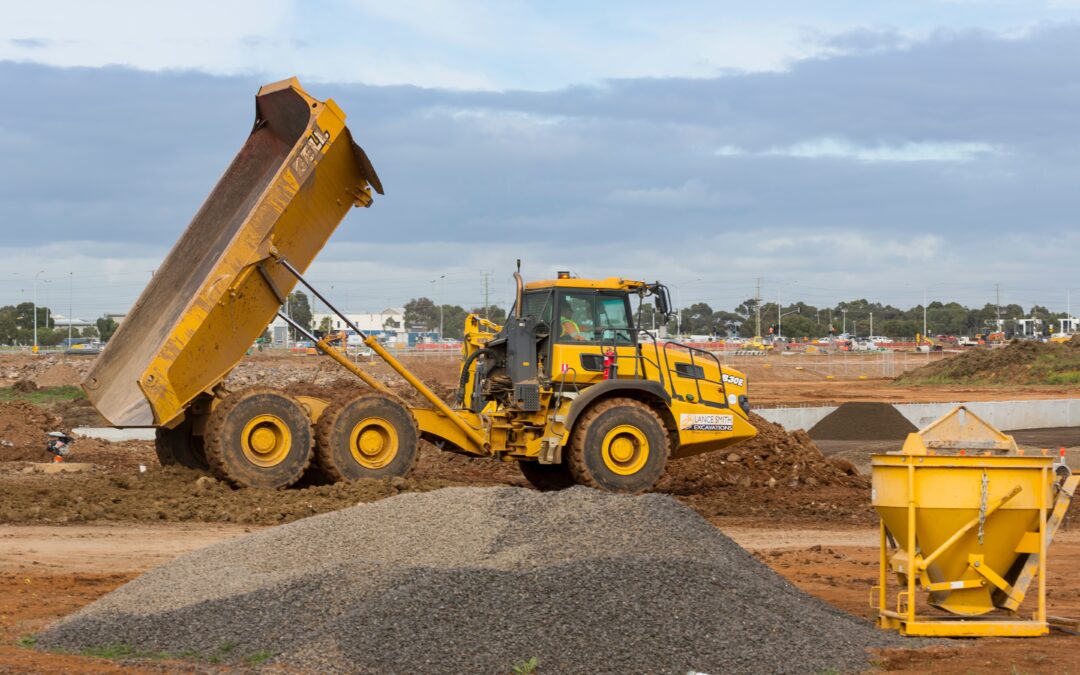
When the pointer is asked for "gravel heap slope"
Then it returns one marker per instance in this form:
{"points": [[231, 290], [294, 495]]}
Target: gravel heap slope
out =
{"points": [[477, 580]]}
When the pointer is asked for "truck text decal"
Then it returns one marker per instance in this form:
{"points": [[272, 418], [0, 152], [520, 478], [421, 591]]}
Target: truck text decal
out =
{"points": [[691, 422]]}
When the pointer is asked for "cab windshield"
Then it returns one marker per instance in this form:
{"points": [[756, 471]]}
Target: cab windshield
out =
{"points": [[594, 318]]}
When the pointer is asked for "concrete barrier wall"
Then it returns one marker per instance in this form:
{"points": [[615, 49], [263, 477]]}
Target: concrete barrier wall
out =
{"points": [[1005, 415], [795, 418]]}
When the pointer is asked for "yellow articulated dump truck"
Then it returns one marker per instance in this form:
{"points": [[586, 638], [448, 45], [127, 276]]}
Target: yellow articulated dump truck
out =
{"points": [[569, 387]]}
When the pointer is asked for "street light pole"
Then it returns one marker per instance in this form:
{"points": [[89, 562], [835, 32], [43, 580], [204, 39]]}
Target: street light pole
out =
{"points": [[35, 310], [434, 290], [780, 310], [844, 330]]}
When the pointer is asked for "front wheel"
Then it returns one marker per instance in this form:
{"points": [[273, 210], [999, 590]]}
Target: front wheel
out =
{"points": [[619, 445]]}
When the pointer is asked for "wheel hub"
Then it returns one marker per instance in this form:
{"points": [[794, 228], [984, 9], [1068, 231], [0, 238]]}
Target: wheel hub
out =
{"points": [[374, 442], [625, 450], [266, 440]]}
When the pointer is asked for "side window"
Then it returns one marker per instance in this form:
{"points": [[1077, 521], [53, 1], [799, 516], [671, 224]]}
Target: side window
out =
{"points": [[577, 317], [613, 320], [538, 304]]}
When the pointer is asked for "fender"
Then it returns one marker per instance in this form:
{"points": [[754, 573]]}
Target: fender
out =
{"points": [[607, 387]]}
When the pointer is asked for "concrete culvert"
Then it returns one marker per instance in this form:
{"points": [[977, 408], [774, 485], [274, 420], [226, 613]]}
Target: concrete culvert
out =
{"points": [[476, 580]]}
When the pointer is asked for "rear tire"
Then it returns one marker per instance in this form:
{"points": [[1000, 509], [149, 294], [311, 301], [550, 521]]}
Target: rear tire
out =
{"points": [[619, 445], [178, 447], [547, 477], [259, 438], [369, 436]]}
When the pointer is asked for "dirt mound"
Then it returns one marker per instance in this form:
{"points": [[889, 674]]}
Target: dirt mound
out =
{"points": [[24, 386], [23, 429], [59, 375], [414, 580], [1020, 362], [173, 494], [775, 457], [856, 421], [78, 412]]}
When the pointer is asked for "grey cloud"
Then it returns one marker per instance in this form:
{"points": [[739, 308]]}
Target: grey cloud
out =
{"points": [[30, 43], [122, 156]]}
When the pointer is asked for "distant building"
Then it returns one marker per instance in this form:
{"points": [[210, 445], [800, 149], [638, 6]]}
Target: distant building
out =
{"points": [[61, 321], [390, 321], [388, 326]]}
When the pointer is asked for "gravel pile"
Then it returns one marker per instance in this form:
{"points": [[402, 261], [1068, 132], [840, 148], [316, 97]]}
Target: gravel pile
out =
{"points": [[476, 580]]}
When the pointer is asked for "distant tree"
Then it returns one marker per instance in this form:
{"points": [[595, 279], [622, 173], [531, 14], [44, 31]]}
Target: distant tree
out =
{"points": [[299, 311], [324, 325], [106, 327], [491, 313], [453, 321], [421, 314], [89, 332]]}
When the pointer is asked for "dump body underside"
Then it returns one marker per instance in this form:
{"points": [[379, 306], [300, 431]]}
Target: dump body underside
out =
{"points": [[282, 197]]}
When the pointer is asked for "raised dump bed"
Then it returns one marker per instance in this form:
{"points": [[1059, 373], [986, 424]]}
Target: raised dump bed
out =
{"points": [[282, 197]]}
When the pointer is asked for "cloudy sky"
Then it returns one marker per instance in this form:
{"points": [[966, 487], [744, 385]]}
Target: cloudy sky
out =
{"points": [[835, 150]]}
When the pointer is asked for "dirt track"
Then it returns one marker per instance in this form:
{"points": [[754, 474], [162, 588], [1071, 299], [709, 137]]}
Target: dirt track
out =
{"points": [[818, 534]]}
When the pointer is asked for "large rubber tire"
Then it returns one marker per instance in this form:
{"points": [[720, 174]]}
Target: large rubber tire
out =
{"points": [[547, 477], [259, 437], [619, 445], [368, 436], [178, 447]]}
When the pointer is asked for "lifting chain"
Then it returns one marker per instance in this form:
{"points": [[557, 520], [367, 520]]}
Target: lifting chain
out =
{"points": [[982, 504]]}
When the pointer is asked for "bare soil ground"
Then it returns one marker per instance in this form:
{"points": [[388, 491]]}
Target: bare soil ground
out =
{"points": [[67, 539]]}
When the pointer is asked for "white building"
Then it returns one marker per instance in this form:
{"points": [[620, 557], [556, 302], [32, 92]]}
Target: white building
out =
{"points": [[61, 321], [389, 321], [388, 325]]}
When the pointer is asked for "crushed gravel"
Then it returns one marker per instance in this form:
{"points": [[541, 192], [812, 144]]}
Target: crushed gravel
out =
{"points": [[476, 580]]}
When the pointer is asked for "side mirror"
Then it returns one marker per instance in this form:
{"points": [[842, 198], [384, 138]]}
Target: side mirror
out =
{"points": [[663, 301]]}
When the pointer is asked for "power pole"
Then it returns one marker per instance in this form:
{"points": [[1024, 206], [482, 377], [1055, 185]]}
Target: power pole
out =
{"points": [[997, 306], [757, 311], [71, 301], [487, 302]]}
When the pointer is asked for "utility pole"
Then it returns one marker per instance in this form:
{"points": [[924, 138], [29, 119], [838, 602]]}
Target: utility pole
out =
{"points": [[757, 310], [924, 312], [487, 303], [35, 310], [997, 305], [871, 324], [844, 330], [71, 302]]}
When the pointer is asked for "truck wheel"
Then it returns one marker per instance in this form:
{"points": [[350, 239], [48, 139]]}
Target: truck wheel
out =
{"points": [[369, 436], [546, 477], [619, 445], [177, 446], [259, 437]]}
